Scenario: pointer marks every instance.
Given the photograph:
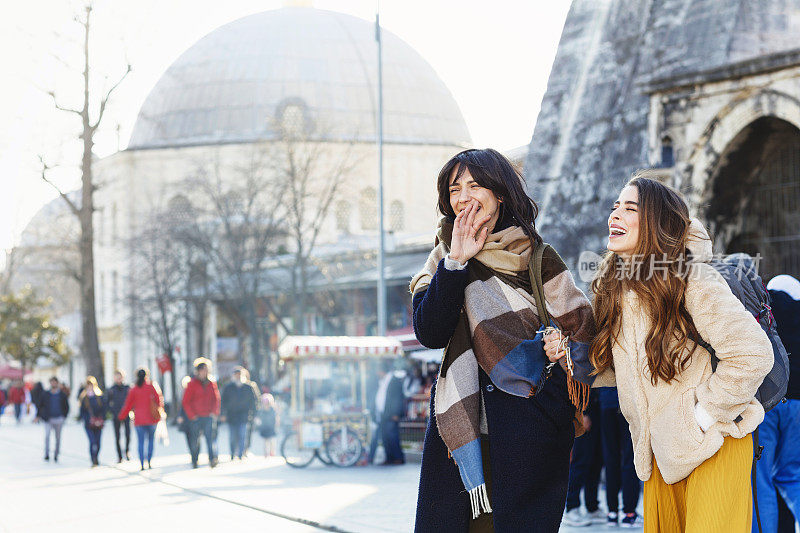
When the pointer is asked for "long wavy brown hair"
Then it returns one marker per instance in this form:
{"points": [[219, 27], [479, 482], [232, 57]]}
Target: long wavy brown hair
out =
{"points": [[658, 275]]}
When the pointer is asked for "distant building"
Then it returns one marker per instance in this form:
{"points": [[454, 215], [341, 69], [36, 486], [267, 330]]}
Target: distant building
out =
{"points": [[707, 91], [221, 99]]}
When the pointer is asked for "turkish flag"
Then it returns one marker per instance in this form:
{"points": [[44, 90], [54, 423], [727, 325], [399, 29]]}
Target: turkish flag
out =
{"points": [[163, 363]]}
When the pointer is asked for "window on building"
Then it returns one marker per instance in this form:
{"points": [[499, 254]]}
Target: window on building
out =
{"points": [[368, 209], [342, 214], [396, 216], [98, 298], [667, 155], [115, 292], [114, 228]]}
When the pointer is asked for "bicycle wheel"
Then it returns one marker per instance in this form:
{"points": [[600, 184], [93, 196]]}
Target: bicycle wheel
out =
{"points": [[294, 453], [344, 447]]}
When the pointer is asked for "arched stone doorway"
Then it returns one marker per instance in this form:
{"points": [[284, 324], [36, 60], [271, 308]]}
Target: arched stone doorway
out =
{"points": [[754, 202]]}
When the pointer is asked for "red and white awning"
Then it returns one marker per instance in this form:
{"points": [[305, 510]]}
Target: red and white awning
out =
{"points": [[303, 346]]}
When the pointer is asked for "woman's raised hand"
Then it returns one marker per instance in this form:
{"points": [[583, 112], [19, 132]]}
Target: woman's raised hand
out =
{"points": [[467, 241]]}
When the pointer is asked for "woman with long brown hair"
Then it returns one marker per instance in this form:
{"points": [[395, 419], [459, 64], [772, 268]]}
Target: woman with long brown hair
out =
{"points": [[498, 441], [654, 296], [93, 413]]}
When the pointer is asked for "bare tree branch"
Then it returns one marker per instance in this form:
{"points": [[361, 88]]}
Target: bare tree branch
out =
{"points": [[62, 108], [72, 207], [107, 96]]}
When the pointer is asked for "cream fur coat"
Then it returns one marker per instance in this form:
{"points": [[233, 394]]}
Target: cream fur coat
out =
{"points": [[662, 418]]}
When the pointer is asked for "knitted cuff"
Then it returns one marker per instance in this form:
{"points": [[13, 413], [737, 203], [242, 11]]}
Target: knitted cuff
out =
{"points": [[452, 264]]}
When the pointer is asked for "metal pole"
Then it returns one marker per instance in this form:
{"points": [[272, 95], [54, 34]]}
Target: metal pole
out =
{"points": [[381, 246]]}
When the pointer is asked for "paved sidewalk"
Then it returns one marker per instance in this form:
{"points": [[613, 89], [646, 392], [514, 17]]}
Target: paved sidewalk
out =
{"points": [[36, 496]]}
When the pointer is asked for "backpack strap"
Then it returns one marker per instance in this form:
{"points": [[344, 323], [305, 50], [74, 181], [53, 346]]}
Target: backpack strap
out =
{"points": [[537, 287]]}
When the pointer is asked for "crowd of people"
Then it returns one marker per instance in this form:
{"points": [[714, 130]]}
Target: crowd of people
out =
{"points": [[241, 405]]}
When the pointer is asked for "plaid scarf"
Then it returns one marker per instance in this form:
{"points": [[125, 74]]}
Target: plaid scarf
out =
{"points": [[498, 331]]}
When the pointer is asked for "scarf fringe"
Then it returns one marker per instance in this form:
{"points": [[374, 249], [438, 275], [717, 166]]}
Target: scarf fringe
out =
{"points": [[578, 393], [479, 501]]}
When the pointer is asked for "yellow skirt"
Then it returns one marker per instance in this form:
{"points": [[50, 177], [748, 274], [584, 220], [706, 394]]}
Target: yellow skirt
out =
{"points": [[715, 498]]}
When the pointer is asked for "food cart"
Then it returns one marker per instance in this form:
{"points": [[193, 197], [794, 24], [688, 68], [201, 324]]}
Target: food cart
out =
{"points": [[328, 413]]}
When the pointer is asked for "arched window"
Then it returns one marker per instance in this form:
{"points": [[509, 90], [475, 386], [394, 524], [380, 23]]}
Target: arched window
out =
{"points": [[368, 209], [667, 155], [342, 215], [396, 216]]}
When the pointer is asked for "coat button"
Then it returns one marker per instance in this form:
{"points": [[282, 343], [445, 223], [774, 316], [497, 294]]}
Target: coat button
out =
{"points": [[489, 388]]}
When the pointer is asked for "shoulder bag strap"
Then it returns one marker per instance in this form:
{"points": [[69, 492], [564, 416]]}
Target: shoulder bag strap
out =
{"points": [[537, 287]]}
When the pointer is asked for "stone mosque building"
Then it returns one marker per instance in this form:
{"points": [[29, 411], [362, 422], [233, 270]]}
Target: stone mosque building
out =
{"points": [[223, 96], [708, 91]]}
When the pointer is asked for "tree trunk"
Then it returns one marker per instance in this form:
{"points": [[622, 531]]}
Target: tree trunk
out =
{"points": [[91, 347], [174, 409]]}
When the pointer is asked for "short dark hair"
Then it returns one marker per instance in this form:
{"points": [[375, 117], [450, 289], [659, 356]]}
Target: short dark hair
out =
{"points": [[53, 378], [201, 366], [492, 170]]}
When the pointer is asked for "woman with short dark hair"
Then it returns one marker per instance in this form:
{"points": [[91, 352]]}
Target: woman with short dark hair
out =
{"points": [[503, 413]]}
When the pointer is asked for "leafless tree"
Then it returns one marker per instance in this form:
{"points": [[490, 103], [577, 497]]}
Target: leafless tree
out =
{"points": [[157, 280], [233, 228], [313, 174], [91, 115]]}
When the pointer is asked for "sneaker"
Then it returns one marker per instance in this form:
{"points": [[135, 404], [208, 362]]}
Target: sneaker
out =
{"points": [[612, 519], [597, 516], [575, 518], [46, 457], [213, 463], [631, 520]]}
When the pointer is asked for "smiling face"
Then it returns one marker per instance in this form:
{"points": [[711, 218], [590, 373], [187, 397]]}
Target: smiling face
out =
{"points": [[465, 190], [623, 223]]}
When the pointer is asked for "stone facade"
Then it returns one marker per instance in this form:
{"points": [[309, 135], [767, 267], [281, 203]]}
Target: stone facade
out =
{"points": [[634, 78]]}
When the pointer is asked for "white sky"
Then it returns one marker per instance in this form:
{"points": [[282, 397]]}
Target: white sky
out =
{"points": [[495, 58]]}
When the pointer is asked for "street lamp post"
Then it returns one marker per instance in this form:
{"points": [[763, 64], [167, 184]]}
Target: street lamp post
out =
{"points": [[381, 245]]}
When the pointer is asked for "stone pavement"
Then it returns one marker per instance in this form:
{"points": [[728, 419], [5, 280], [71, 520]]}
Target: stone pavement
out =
{"points": [[36, 496]]}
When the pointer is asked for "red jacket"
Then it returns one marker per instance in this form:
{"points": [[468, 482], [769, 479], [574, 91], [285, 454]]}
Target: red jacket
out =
{"points": [[16, 395], [141, 400], [200, 399]]}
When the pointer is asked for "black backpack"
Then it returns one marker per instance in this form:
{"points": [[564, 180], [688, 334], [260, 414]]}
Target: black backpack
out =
{"points": [[741, 274]]}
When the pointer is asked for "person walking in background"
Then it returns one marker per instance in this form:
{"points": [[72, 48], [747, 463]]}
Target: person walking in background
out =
{"points": [[268, 423], [584, 470], [390, 405], [618, 459], [147, 403], [16, 396], [256, 402], [182, 420], [779, 433], [93, 414], [52, 409], [116, 396], [201, 403], [3, 400], [238, 406], [36, 396]]}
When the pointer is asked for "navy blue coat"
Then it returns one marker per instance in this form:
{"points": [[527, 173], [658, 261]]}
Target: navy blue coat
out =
{"points": [[529, 446]]}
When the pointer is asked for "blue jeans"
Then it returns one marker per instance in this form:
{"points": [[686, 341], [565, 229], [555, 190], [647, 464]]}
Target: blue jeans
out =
{"points": [[204, 425], [143, 432], [94, 441], [390, 431], [618, 458], [779, 466], [238, 438], [586, 464]]}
